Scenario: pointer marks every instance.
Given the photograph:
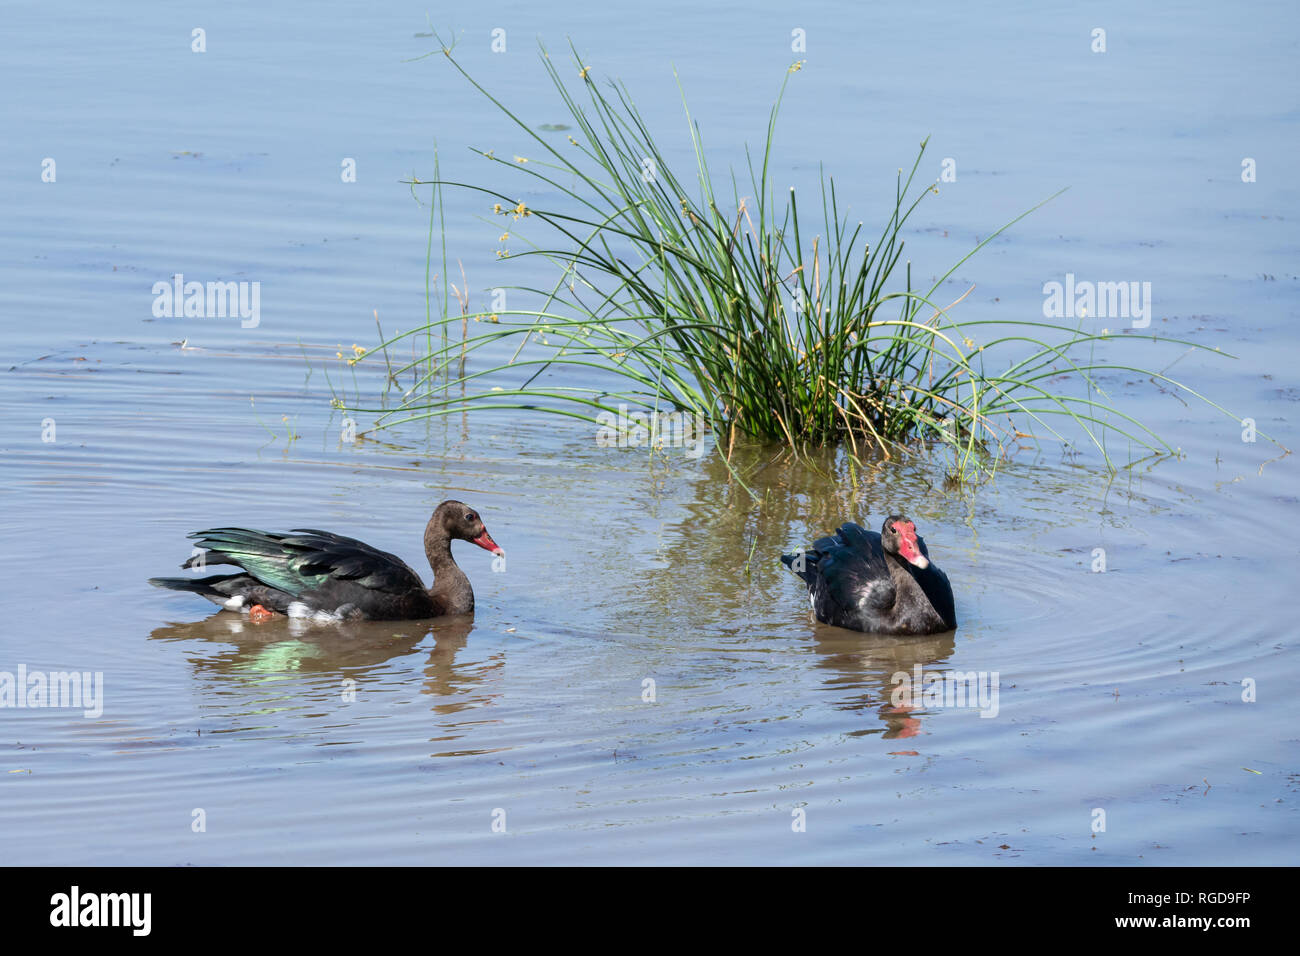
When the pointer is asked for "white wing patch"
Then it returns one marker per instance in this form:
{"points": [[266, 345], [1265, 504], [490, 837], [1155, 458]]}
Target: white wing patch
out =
{"points": [[300, 611]]}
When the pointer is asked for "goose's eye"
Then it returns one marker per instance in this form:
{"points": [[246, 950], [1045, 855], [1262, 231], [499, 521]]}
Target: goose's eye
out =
{"points": [[471, 517]]}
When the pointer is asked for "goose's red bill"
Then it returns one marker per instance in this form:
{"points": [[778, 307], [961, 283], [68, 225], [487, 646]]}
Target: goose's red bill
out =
{"points": [[907, 545], [485, 542]]}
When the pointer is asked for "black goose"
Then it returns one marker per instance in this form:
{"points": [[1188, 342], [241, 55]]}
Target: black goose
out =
{"points": [[308, 573], [879, 583]]}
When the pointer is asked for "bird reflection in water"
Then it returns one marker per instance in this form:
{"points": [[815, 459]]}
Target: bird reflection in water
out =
{"points": [[864, 666], [358, 654]]}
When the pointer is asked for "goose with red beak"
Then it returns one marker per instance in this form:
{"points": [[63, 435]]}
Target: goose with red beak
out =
{"points": [[326, 577], [878, 583]]}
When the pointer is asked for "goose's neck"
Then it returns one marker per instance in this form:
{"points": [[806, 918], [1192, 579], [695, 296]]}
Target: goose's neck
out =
{"points": [[437, 546], [451, 592], [900, 574], [921, 585]]}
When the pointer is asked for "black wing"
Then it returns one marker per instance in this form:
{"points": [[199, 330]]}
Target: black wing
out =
{"points": [[305, 559], [843, 571]]}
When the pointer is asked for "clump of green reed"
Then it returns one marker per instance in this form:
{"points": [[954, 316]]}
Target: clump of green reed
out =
{"points": [[675, 294]]}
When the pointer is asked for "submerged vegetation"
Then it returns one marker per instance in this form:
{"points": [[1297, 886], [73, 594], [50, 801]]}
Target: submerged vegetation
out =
{"points": [[684, 292]]}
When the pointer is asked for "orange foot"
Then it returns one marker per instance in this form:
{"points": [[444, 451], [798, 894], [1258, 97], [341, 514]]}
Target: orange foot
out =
{"points": [[257, 614]]}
